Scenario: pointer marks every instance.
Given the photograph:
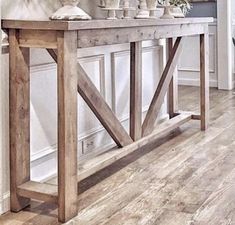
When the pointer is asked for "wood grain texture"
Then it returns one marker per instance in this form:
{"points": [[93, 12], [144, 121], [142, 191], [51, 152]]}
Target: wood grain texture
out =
{"points": [[173, 88], [39, 191], [104, 36], [97, 24], [19, 120], [204, 80], [67, 125], [187, 178], [136, 90], [162, 88], [38, 39]]}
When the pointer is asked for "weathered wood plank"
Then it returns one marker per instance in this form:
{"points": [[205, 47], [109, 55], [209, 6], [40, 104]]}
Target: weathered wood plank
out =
{"points": [[100, 37], [136, 90], [99, 24], [19, 120], [39, 191], [204, 80], [162, 88], [219, 208], [37, 39], [173, 88], [196, 117], [67, 125], [167, 192], [151, 168]]}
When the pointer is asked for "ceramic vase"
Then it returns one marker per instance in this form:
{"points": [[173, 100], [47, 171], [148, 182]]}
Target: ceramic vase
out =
{"points": [[152, 7], [167, 11], [112, 4], [70, 11], [151, 4], [143, 11], [127, 9], [102, 3]]}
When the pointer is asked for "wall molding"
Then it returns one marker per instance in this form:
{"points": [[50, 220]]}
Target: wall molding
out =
{"points": [[5, 203], [214, 69], [195, 82], [123, 53]]}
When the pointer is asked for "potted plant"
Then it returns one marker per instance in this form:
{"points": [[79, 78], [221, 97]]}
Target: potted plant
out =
{"points": [[184, 5]]}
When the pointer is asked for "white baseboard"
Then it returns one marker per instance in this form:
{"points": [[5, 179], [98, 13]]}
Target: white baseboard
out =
{"points": [[195, 82], [5, 203]]}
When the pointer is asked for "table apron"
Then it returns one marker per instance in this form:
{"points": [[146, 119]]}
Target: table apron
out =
{"points": [[110, 36], [100, 37]]}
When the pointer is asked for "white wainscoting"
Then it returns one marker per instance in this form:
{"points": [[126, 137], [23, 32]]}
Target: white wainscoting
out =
{"points": [[91, 132], [189, 65], [4, 137]]}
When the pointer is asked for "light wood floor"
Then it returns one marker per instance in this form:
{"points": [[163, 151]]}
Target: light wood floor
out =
{"points": [[189, 180]]}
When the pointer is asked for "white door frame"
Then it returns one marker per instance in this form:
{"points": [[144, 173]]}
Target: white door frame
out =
{"points": [[1, 133], [1, 136], [225, 46]]}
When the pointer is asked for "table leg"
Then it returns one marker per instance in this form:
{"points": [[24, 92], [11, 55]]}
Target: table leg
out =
{"points": [[136, 91], [204, 80], [19, 120], [67, 125], [173, 88]]}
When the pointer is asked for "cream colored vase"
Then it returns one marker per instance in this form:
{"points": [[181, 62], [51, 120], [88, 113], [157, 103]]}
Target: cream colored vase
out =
{"points": [[70, 11], [112, 4], [151, 4]]}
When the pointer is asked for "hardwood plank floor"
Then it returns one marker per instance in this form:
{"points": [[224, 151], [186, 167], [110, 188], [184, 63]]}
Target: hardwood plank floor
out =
{"points": [[188, 180]]}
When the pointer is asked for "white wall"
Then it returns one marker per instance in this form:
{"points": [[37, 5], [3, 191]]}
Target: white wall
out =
{"points": [[189, 65], [225, 46], [107, 66], [1, 135]]}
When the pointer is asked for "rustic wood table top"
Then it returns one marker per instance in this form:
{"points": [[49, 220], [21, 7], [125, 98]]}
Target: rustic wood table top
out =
{"points": [[99, 23]]}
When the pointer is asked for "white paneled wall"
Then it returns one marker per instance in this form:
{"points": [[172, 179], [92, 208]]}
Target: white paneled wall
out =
{"points": [[189, 64], [113, 83], [4, 137]]}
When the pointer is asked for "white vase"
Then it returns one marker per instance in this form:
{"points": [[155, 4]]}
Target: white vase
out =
{"points": [[143, 11], [152, 7], [167, 11], [151, 4], [70, 11], [4, 37], [112, 4]]}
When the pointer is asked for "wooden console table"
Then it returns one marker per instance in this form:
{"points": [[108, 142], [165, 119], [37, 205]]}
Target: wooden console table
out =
{"points": [[61, 39]]}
